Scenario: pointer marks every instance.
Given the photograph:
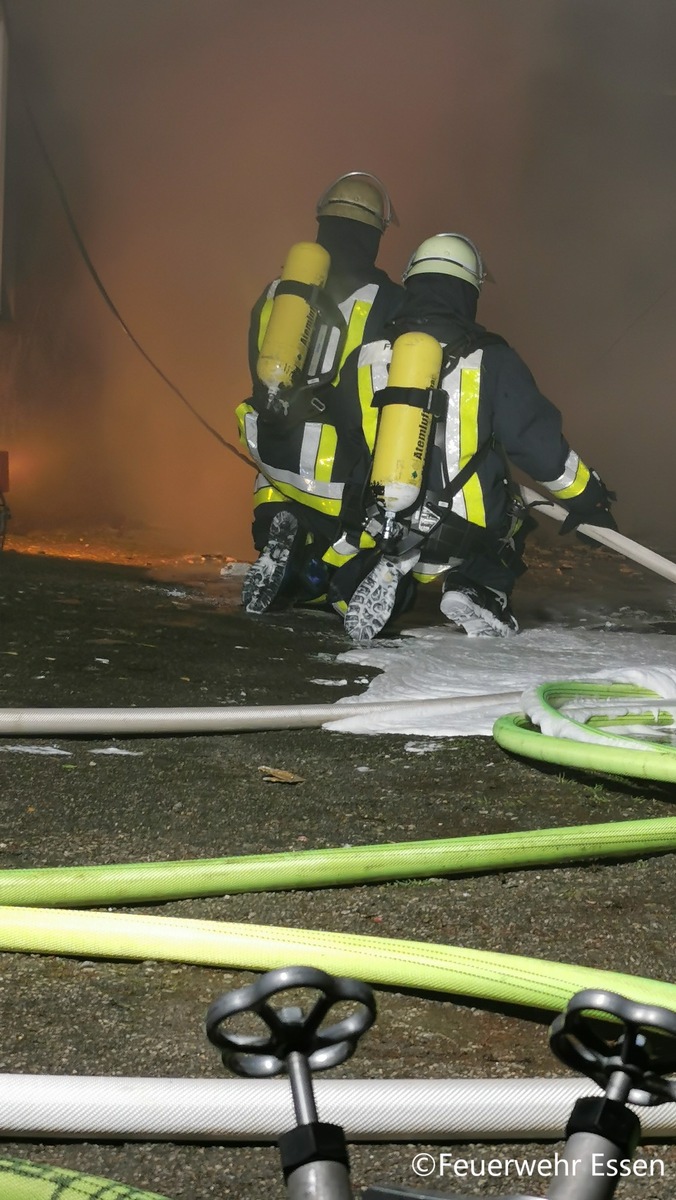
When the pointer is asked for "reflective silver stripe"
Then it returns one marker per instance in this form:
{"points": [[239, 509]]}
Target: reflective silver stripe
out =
{"points": [[426, 568], [377, 356], [570, 471], [313, 365], [312, 432], [375, 352], [451, 384], [251, 434], [344, 546], [331, 348], [326, 491], [379, 374]]}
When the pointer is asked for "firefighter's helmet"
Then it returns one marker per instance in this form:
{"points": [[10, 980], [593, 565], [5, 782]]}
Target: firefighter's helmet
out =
{"points": [[359, 196], [448, 254]]}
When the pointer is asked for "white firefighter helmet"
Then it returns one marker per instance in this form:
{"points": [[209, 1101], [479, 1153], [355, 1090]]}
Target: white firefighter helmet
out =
{"points": [[448, 254], [359, 196]]}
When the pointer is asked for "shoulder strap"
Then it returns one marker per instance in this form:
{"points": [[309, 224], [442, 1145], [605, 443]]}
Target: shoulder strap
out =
{"points": [[471, 466], [465, 345]]}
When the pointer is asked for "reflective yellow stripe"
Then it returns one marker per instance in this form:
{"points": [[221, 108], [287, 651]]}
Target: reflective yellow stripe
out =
{"points": [[240, 412], [265, 318], [326, 453], [578, 485], [267, 495], [355, 329], [340, 607], [429, 578], [289, 492], [369, 415], [333, 559], [470, 380]]}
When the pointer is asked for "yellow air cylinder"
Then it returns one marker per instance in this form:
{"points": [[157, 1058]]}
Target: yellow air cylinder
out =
{"points": [[404, 430], [285, 344]]}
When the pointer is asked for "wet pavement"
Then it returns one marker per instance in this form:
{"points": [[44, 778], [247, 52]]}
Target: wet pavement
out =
{"points": [[81, 633]]}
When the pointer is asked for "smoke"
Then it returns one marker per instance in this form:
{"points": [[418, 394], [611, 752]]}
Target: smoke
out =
{"points": [[192, 141]]}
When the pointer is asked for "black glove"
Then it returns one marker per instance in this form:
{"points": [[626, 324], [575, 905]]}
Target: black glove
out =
{"points": [[595, 516], [591, 507]]}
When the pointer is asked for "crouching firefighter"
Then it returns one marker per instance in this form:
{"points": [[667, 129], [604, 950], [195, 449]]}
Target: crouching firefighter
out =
{"points": [[457, 405], [303, 438]]}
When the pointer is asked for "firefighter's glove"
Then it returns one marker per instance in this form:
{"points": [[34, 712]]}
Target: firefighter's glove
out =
{"points": [[592, 507]]}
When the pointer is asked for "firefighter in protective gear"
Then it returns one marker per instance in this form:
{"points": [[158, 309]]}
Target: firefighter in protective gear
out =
{"points": [[469, 524], [305, 461]]}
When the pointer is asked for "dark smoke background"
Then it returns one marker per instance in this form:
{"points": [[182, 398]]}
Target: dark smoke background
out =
{"points": [[193, 137]]}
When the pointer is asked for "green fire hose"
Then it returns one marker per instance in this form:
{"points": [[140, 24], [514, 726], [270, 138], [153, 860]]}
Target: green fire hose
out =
{"points": [[502, 978], [497, 977], [393, 962], [610, 752], [133, 883]]}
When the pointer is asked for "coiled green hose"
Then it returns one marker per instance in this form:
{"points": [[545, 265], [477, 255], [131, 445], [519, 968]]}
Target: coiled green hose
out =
{"points": [[633, 757]]}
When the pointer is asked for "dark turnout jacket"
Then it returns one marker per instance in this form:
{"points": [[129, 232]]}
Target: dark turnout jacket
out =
{"points": [[309, 461], [492, 411]]}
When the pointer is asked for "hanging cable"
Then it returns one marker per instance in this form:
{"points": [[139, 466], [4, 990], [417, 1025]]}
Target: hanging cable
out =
{"points": [[84, 253], [640, 316]]}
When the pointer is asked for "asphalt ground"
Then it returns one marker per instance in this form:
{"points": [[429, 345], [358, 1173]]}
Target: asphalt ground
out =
{"points": [[81, 633]]}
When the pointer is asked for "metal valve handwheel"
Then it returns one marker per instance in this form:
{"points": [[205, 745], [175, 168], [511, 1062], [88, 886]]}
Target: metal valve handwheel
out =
{"points": [[290, 1030], [639, 1052]]}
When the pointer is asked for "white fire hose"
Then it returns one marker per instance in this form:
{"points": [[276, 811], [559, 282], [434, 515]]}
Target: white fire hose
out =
{"points": [[97, 722], [606, 537], [215, 1110]]}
